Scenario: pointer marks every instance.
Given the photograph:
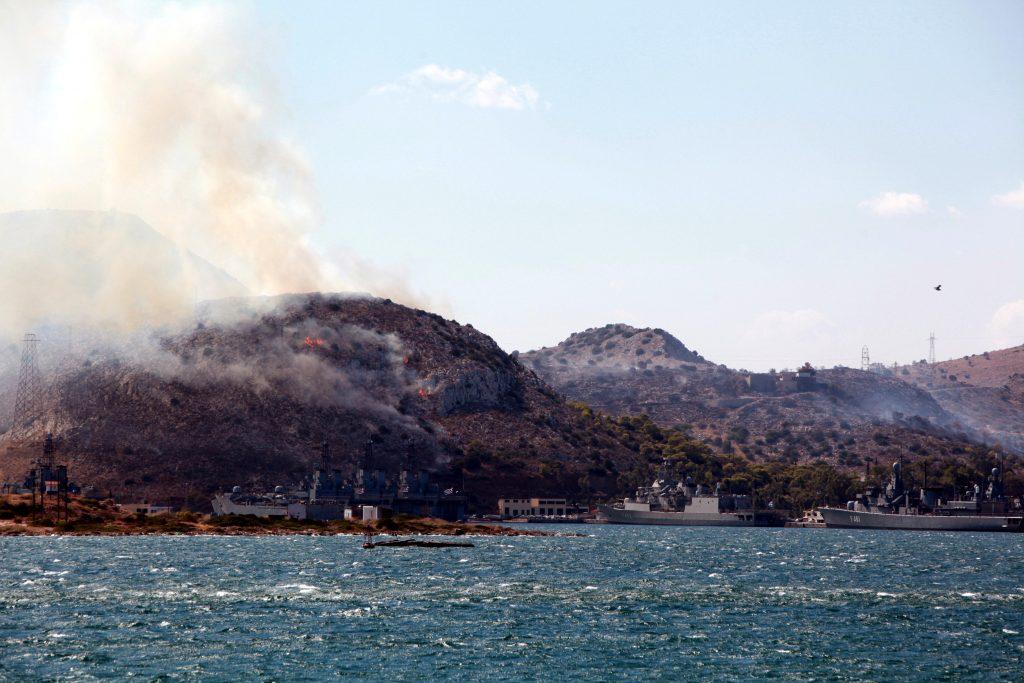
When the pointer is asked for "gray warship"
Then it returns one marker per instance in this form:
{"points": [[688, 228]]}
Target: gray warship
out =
{"points": [[897, 507], [685, 504], [263, 504], [329, 495]]}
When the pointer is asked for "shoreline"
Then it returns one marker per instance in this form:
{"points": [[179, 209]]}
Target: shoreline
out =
{"points": [[105, 518], [153, 527]]}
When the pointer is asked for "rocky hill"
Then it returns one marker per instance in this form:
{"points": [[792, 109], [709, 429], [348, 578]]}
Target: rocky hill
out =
{"points": [[985, 391], [246, 395], [615, 347], [850, 416]]}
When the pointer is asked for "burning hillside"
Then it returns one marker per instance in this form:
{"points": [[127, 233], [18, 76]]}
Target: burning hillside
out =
{"points": [[245, 395], [984, 391]]}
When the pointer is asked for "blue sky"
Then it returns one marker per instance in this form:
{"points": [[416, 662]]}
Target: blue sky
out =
{"points": [[719, 170]]}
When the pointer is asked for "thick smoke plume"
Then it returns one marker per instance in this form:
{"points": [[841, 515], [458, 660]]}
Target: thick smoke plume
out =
{"points": [[311, 363], [158, 111]]}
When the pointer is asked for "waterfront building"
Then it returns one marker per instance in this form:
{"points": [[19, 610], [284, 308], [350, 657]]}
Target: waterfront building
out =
{"points": [[532, 507]]}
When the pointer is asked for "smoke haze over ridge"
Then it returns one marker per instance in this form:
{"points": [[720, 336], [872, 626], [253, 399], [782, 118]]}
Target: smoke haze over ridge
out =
{"points": [[161, 111]]}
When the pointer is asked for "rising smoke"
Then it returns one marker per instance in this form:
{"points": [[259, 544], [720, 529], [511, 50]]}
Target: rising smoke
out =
{"points": [[161, 111], [142, 170], [306, 361]]}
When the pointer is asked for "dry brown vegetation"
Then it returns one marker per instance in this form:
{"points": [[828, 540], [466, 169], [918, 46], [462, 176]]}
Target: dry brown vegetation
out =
{"points": [[985, 391], [856, 416]]}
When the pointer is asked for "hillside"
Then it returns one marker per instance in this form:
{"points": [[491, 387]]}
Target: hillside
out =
{"points": [[246, 395], [851, 416], [985, 391], [989, 369], [615, 347]]}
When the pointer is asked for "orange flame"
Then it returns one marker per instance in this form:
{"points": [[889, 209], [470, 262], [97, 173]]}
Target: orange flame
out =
{"points": [[314, 342], [423, 393]]}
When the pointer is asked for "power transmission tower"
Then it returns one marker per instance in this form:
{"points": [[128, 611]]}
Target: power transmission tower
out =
{"points": [[30, 382], [865, 358], [931, 349]]}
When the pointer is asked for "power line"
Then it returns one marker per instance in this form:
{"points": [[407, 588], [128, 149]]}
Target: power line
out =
{"points": [[30, 382]]}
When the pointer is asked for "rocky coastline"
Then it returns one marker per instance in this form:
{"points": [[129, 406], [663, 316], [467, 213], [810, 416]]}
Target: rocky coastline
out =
{"points": [[104, 518]]}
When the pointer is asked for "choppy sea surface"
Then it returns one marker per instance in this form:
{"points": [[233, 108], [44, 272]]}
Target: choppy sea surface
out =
{"points": [[621, 603]]}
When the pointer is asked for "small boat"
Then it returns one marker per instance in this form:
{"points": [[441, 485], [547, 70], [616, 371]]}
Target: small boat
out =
{"points": [[415, 543]]}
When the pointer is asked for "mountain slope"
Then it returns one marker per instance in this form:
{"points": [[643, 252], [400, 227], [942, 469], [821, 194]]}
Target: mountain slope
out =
{"points": [[985, 391], [247, 394], [851, 415]]}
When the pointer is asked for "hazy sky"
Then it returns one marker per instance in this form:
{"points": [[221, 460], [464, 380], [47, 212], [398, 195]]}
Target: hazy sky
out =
{"points": [[771, 182]]}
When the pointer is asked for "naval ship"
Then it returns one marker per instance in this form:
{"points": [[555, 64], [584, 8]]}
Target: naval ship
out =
{"points": [[684, 504], [896, 507], [329, 495]]}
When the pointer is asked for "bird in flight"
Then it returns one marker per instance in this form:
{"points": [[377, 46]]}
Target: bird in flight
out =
{"points": [[938, 288]]}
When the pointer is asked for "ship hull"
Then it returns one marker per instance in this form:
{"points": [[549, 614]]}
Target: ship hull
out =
{"points": [[613, 515], [839, 518], [223, 505]]}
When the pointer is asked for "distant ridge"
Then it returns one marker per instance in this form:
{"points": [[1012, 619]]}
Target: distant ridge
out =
{"points": [[851, 416], [615, 346], [983, 390]]}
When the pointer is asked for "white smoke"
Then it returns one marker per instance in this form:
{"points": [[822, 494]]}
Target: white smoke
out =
{"points": [[309, 362], [162, 111]]}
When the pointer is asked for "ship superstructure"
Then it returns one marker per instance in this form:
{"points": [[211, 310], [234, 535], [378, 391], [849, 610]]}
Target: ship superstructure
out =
{"points": [[895, 506], [328, 494], [685, 503]]}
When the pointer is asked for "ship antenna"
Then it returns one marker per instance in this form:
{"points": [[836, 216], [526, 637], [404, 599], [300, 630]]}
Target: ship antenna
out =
{"points": [[324, 456], [369, 454]]}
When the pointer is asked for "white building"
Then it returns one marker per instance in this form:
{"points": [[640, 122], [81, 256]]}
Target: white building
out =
{"points": [[532, 507]]}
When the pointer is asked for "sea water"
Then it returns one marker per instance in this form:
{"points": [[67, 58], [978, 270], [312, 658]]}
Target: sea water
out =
{"points": [[619, 603]]}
